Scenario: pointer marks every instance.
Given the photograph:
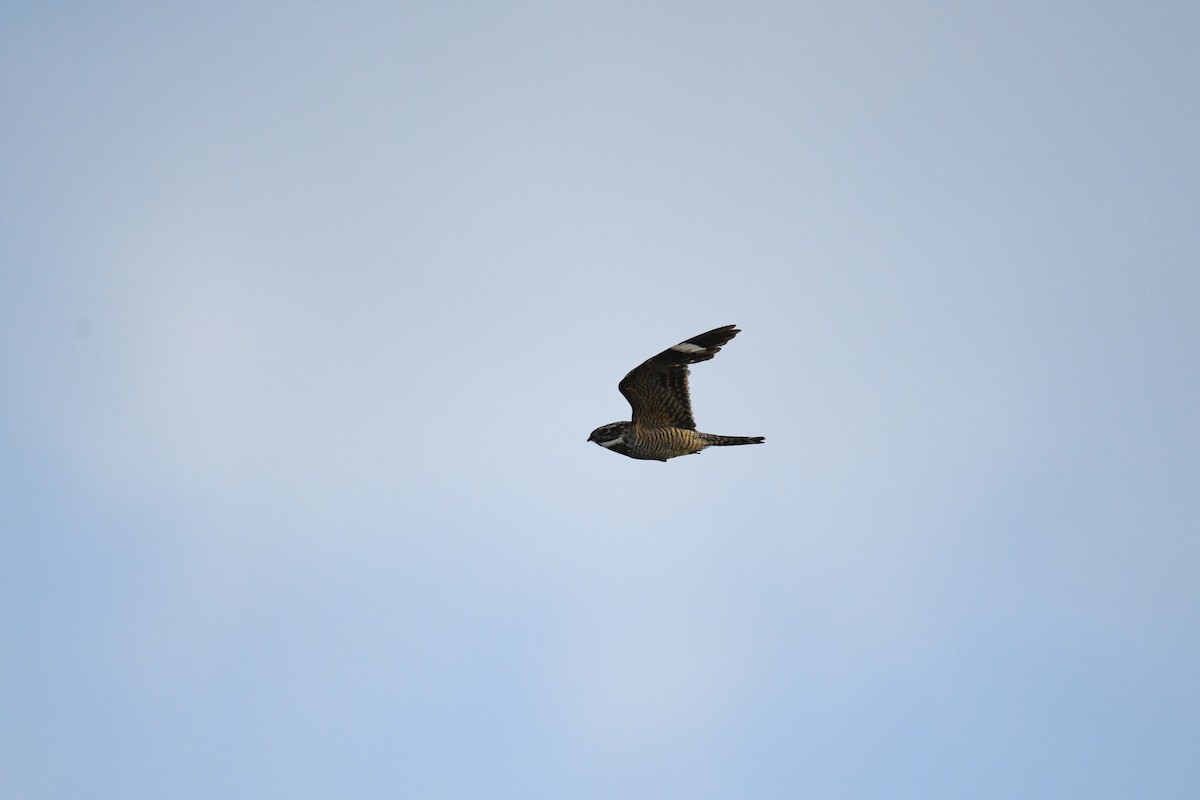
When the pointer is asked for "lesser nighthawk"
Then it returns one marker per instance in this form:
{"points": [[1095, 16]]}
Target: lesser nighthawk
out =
{"points": [[662, 425]]}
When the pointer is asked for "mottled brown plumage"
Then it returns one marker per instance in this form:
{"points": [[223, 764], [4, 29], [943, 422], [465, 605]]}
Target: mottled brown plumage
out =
{"points": [[657, 390]]}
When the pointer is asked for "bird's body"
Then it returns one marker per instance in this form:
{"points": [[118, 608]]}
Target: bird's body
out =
{"points": [[662, 426]]}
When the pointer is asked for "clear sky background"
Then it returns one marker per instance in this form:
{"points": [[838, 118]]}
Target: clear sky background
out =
{"points": [[306, 312]]}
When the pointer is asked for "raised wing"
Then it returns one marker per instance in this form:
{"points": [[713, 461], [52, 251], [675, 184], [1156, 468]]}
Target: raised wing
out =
{"points": [[658, 388]]}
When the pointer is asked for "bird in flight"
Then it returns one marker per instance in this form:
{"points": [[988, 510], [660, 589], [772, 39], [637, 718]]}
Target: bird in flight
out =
{"points": [[662, 425]]}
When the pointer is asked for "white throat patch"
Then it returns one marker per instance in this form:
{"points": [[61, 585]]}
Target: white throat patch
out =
{"points": [[613, 443]]}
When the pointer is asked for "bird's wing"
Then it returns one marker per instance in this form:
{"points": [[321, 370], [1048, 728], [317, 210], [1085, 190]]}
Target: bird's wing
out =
{"points": [[658, 388]]}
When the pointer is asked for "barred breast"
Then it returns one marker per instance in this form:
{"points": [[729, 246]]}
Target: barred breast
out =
{"points": [[659, 444]]}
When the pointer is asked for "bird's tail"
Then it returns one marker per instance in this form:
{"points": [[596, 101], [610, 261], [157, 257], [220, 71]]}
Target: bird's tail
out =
{"points": [[713, 440]]}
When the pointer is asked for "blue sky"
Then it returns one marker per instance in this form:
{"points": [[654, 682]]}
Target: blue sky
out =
{"points": [[307, 311]]}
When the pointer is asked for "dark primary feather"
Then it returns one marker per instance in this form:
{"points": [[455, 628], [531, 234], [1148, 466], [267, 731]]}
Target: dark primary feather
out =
{"points": [[658, 388]]}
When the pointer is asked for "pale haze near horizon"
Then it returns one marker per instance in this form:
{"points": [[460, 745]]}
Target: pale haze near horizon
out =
{"points": [[307, 312]]}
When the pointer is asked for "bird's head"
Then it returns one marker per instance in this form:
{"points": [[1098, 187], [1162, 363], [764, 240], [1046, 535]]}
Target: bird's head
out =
{"points": [[609, 435]]}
